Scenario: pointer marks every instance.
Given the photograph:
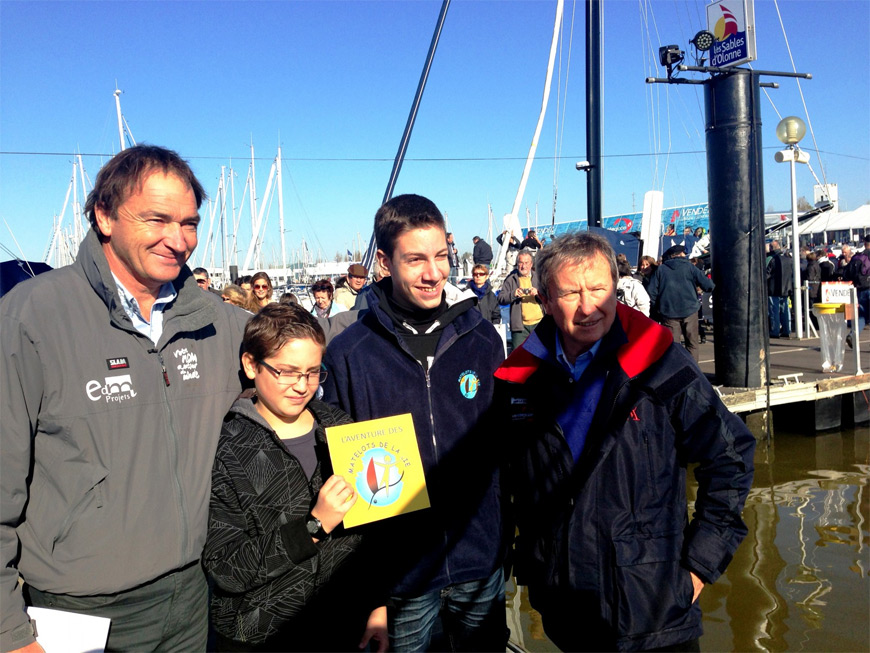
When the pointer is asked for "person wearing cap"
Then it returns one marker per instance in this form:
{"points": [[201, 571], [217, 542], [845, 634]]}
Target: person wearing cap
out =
{"points": [[356, 279], [674, 295]]}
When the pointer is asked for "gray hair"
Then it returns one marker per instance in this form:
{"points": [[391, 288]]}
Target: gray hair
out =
{"points": [[575, 248]]}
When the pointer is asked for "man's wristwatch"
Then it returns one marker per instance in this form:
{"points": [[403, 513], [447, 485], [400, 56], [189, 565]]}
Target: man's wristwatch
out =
{"points": [[315, 528]]}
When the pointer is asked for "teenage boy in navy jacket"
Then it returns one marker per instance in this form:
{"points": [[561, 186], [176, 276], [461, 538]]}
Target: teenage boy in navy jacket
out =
{"points": [[417, 351]]}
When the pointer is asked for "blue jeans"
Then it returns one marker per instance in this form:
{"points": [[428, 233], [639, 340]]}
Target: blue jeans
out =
{"points": [[863, 307], [473, 617], [779, 316]]}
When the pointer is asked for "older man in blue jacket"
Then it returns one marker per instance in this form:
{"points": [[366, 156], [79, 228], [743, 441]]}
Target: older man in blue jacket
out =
{"points": [[420, 351], [604, 412]]}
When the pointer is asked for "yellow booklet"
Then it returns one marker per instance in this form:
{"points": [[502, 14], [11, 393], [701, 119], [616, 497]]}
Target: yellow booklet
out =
{"points": [[381, 460]]}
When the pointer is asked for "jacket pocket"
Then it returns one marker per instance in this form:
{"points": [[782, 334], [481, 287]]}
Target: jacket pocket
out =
{"points": [[653, 591], [91, 500]]}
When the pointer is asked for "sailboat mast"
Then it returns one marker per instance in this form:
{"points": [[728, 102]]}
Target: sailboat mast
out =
{"points": [[534, 146], [233, 255], [117, 95], [369, 257], [253, 199], [281, 211], [593, 112]]}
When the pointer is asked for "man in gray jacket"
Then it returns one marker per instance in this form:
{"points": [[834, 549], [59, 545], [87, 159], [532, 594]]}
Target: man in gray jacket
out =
{"points": [[117, 371]]}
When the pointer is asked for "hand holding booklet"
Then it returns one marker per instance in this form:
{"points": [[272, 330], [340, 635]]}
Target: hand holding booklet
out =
{"points": [[58, 631], [381, 460]]}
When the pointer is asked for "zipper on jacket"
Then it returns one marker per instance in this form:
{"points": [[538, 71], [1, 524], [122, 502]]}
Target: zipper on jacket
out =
{"points": [[435, 451], [162, 367], [431, 414], [173, 460]]}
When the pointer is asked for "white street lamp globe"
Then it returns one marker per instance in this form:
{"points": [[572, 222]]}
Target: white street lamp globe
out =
{"points": [[791, 130]]}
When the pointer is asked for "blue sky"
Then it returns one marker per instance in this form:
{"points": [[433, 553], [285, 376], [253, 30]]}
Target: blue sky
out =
{"points": [[333, 82]]}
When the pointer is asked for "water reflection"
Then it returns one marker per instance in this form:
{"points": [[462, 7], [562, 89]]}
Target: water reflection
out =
{"points": [[801, 579]]}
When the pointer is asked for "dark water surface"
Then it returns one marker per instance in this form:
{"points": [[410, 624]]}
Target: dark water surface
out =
{"points": [[800, 581]]}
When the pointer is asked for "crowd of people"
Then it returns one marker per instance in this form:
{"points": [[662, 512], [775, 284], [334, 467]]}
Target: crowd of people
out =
{"points": [[164, 460]]}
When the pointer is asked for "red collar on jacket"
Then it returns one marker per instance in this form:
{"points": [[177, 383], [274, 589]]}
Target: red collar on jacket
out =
{"points": [[647, 342]]}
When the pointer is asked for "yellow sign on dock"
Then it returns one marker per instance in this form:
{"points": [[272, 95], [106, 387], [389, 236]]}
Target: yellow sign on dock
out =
{"points": [[381, 460]]}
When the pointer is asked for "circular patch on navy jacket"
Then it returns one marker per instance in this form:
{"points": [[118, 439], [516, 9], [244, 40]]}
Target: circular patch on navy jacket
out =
{"points": [[469, 384]]}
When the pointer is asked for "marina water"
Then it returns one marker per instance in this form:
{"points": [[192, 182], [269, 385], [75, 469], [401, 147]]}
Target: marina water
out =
{"points": [[800, 581]]}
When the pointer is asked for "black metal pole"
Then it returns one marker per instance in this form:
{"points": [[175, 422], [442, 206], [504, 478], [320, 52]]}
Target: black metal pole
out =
{"points": [[369, 257], [736, 197], [593, 112]]}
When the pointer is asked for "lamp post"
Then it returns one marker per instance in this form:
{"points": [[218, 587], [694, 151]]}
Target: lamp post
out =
{"points": [[790, 131]]}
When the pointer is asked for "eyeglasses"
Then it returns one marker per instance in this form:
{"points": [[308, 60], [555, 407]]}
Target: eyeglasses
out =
{"points": [[286, 377], [479, 274], [261, 287]]}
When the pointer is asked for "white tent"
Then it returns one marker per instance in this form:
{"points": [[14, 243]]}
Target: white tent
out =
{"points": [[857, 220]]}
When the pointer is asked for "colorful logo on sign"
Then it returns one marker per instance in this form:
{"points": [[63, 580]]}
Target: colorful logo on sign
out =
{"points": [[379, 483], [731, 22], [726, 26], [469, 383]]}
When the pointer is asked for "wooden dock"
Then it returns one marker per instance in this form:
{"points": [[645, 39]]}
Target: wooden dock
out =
{"points": [[826, 399]]}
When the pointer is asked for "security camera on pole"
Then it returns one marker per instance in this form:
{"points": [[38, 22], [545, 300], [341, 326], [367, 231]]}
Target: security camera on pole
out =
{"points": [[790, 131]]}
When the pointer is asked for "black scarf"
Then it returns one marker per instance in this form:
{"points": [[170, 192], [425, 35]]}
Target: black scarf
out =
{"points": [[479, 291]]}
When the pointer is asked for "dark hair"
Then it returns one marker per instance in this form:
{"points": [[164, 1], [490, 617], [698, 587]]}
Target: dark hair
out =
{"points": [[623, 268], [575, 248], [201, 271], [244, 279], [127, 170], [288, 298], [401, 214], [275, 325], [323, 285]]}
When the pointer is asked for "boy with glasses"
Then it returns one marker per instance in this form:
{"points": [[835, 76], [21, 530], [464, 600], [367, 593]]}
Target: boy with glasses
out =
{"points": [[276, 551]]}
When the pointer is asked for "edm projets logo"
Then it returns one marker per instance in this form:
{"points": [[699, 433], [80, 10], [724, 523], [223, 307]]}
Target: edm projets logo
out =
{"points": [[379, 483], [469, 384], [115, 389]]}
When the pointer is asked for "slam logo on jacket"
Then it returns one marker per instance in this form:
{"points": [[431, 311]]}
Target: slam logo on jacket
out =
{"points": [[113, 389]]}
